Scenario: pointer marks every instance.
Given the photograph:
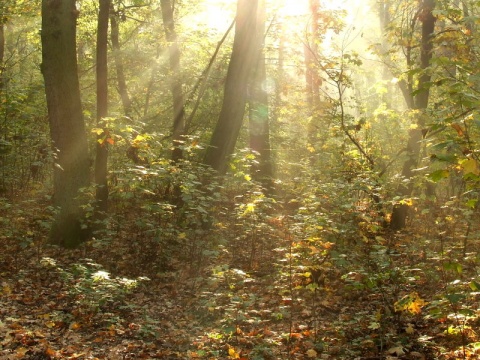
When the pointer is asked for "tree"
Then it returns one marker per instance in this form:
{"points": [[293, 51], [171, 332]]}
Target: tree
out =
{"points": [[419, 100], [2, 50], [258, 109], [225, 134], [3, 19], [117, 57], [175, 81], [312, 78], [67, 126], [101, 159]]}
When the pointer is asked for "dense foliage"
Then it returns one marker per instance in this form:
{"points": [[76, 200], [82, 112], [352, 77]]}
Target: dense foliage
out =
{"points": [[188, 263]]}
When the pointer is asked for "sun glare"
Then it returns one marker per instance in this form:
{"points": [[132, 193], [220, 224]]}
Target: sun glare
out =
{"points": [[217, 15]]}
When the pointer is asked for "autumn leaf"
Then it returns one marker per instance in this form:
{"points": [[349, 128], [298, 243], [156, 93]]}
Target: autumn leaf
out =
{"points": [[409, 329], [458, 128], [50, 352], [98, 131], [471, 166], [75, 326], [50, 324], [233, 354], [412, 303], [396, 350], [311, 353]]}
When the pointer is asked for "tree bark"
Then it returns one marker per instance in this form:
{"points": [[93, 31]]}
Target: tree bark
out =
{"points": [[67, 126], [101, 159], [225, 134], [117, 58], [259, 129], [2, 49], [175, 80], [400, 211]]}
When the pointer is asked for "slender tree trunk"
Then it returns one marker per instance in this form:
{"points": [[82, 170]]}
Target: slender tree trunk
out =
{"points": [[175, 80], [118, 60], [101, 159], [2, 49], [67, 126], [258, 110], [225, 134], [312, 78], [400, 211]]}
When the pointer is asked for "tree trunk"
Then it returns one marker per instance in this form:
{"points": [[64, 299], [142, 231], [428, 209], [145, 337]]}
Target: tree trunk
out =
{"points": [[175, 80], [117, 58], [225, 134], [67, 126], [312, 78], [400, 211], [2, 49], [101, 158], [259, 112]]}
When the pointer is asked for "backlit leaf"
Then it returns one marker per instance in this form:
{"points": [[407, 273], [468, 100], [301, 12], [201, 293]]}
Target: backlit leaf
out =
{"points": [[232, 353], [471, 166], [439, 175]]}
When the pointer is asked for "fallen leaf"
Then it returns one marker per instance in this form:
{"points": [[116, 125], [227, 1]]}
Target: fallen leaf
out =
{"points": [[409, 329], [311, 353], [396, 350], [233, 354]]}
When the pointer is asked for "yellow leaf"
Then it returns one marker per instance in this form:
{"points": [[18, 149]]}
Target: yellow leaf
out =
{"points": [[311, 353], [97, 131], [248, 177], [233, 354], [50, 324], [412, 303], [471, 166], [409, 329], [6, 289], [139, 138], [249, 208], [182, 235], [75, 326]]}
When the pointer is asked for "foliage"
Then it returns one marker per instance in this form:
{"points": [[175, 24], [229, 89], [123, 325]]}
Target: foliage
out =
{"points": [[309, 271]]}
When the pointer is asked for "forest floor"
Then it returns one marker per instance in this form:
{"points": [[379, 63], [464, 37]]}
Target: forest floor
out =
{"points": [[57, 304]]}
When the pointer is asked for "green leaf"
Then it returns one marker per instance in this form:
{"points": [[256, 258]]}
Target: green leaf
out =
{"points": [[471, 203], [454, 267], [467, 312], [455, 298], [438, 175], [475, 286]]}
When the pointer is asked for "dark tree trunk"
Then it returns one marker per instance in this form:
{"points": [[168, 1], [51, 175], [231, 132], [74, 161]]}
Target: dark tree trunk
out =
{"points": [[175, 80], [400, 211], [101, 158], [225, 134], [67, 127], [2, 49], [259, 129], [117, 58]]}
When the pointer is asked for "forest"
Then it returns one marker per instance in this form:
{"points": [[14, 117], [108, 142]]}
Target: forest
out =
{"points": [[240, 179]]}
